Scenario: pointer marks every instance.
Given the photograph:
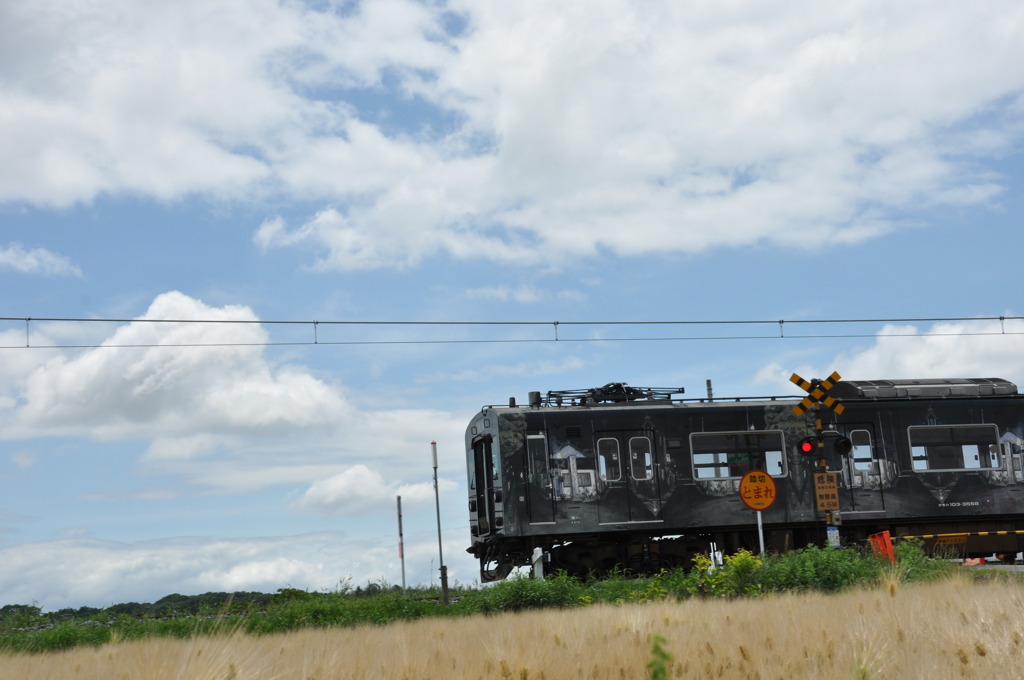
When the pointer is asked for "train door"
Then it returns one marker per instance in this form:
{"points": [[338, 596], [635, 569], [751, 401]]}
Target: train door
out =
{"points": [[645, 501], [544, 481], [1012, 453], [482, 491], [865, 471], [573, 474], [613, 475], [627, 468]]}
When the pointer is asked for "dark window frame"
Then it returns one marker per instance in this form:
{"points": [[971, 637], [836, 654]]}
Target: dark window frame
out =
{"points": [[733, 456], [937, 447]]}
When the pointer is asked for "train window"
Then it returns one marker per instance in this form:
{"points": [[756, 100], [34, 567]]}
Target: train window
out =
{"points": [[954, 447], [608, 461], [710, 465], [641, 460], [537, 453], [730, 455], [862, 458]]}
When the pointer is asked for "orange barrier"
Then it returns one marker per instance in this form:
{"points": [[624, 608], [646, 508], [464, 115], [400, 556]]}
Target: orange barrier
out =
{"points": [[881, 545]]}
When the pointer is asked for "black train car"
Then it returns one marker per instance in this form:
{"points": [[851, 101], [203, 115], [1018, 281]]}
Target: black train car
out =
{"points": [[632, 477]]}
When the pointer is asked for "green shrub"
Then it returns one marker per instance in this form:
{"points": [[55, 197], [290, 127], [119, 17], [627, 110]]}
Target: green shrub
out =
{"points": [[62, 636], [660, 659], [14, 616], [822, 569], [522, 592], [739, 576], [915, 564]]}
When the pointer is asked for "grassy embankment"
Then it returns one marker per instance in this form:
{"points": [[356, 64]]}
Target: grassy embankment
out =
{"points": [[783, 618]]}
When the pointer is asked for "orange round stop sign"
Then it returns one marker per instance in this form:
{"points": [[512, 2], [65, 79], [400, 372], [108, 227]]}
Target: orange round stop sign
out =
{"points": [[757, 490]]}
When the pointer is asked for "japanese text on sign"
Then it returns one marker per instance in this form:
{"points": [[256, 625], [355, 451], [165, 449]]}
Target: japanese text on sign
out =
{"points": [[826, 490], [757, 490]]}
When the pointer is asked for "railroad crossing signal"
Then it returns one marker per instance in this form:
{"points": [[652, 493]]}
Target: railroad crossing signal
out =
{"points": [[817, 393], [808, 446], [812, 446]]}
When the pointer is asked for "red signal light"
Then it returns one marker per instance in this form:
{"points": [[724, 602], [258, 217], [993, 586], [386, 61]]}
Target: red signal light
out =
{"points": [[808, 446]]}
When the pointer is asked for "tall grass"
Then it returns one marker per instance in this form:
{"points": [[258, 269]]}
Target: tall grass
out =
{"points": [[952, 627], [25, 629]]}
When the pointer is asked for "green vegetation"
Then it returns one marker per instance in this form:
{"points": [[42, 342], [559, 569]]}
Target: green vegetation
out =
{"points": [[660, 659], [24, 628]]}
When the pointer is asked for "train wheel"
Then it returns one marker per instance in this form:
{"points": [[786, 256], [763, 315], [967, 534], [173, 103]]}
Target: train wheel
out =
{"points": [[499, 571]]}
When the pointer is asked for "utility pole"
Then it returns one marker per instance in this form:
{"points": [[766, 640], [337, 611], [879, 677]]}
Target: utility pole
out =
{"points": [[401, 543], [440, 550]]}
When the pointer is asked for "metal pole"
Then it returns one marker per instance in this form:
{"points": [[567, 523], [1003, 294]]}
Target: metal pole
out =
{"points": [[440, 550], [760, 532], [401, 543]]}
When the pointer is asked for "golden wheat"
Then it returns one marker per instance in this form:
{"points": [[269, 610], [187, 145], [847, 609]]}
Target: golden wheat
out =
{"points": [[950, 629]]}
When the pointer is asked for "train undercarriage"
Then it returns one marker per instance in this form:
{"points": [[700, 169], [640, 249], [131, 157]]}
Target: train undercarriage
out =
{"points": [[640, 554]]}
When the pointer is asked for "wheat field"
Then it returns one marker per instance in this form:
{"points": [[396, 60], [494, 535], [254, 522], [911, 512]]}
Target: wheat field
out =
{"points": [[950, 629]]}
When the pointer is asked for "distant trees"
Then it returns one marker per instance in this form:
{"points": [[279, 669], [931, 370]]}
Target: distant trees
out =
{"points": [[175, 605]]}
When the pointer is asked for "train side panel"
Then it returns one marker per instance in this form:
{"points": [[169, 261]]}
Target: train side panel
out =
{"points": [[598, 484]]}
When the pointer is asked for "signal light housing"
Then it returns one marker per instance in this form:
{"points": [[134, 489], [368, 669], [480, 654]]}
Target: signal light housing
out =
{"points": [[842, 445], [829, 443]]}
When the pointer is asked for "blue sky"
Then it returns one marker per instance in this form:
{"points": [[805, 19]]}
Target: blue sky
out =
{"points": [[452, 162]]}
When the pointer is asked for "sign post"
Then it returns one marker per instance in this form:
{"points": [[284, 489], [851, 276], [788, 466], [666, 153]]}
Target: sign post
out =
{"points": [[757, 491]]}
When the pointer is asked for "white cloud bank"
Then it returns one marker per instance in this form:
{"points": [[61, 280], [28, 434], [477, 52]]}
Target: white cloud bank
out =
{"points": [[176, 379], [77, 572], [206, 402], [359, 489], [984, 349], [953, 349], [518, 130]]}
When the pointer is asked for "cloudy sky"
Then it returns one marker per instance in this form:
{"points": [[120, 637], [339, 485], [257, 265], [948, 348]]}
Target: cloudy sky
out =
{"points": [[256, 162]]}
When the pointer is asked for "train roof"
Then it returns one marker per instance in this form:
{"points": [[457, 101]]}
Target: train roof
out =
{"points": [[926, 388]]}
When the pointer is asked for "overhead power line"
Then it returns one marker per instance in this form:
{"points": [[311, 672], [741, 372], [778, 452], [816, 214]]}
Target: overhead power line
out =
{"points": [[779, 330]]}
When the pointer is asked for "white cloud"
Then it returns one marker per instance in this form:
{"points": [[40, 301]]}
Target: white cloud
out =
{"points": [[960, 349], [175, 379], [523, 294], [680, 130], [541, 131], [955, 349], [36, 261], [359, 490], [182, 98], [79, 571], [24, 459], [205, 404]]}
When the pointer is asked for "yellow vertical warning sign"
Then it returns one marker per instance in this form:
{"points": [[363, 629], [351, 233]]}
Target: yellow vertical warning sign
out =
{"points": [[826, 490]]}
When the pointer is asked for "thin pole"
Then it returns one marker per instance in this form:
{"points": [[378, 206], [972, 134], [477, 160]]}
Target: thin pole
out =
{"points": [[401, 542], [760, 532], [440, 550]]}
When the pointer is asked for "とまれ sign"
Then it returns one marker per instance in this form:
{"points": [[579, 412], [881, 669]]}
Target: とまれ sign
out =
{"points": [[757, 490]]}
